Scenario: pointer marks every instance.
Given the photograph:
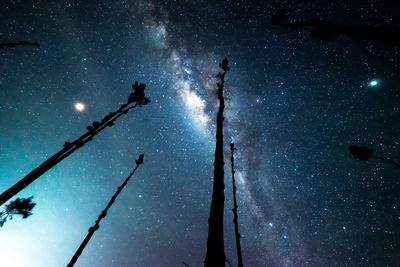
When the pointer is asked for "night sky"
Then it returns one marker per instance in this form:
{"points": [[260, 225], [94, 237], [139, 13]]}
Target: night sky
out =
{"points": [[293, 106]]}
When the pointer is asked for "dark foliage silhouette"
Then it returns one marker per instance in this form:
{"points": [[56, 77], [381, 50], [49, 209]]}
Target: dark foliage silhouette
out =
{"points": [[234, 210], [215, 255], [20, 206], [22, 43], [361, 152], [136, 98], [324, 31], [103, 214], [365, 153]]}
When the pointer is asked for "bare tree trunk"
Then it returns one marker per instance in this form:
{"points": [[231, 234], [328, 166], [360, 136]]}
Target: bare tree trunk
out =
{"points": [[234, 210], [215, 255], [102, 215], [69, 148]]}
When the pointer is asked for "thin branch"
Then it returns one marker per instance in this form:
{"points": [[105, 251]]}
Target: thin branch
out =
{"points": [[103, 214]]}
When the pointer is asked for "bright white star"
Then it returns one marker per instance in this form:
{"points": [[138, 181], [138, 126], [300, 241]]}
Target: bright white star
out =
{"points": [[79, 106]]}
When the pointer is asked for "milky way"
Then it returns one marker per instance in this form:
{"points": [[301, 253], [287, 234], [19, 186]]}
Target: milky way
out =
{"points": [[293, 106]]}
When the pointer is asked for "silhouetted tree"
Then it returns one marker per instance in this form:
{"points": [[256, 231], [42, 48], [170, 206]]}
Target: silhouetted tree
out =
{"points": [[22, 43], [103, 214], [365, 153], [136, 98], [325, 31], [20, 206], [235, 215], [215, 255]]}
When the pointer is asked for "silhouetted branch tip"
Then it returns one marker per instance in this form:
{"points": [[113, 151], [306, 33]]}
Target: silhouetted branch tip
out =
{"points": [[140, 159], [138, 94], [224, 64], [187, 265]]}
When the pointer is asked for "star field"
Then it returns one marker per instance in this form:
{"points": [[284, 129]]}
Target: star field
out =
{"points": [[293, 106]]}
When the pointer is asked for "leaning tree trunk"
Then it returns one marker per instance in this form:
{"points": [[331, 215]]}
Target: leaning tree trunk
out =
{"points": [[215, 255], [234, 210], [102, 215], [137, 97]]}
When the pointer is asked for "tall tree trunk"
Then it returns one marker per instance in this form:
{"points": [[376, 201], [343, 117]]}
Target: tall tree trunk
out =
{"points": [[235, 215], [137, 97], [102, 215], [215, 255]]}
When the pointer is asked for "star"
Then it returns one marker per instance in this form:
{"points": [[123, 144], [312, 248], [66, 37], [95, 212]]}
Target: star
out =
{"points": [[373, 83], [79, 106]]}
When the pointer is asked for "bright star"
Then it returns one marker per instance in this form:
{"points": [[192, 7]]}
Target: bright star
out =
{"points": [[373, 83], [79, 106]]}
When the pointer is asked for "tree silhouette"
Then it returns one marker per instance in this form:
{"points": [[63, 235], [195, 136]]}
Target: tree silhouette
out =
{"points": [[365, 153], [215, 255], [235, 215], [136, 98], [22, 43], [325, 31], [103, 214], [20, 206]]}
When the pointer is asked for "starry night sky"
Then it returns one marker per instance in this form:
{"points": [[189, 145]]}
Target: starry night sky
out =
{"points": [[293, 106]]}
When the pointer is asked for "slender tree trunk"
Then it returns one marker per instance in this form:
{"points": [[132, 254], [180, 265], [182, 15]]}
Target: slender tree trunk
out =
{"points": [[69, 148], [102, 215], [215, 256], [234, 210]]}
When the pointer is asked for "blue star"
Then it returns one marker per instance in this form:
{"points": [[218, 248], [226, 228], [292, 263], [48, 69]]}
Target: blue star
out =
{"points": [[373, 83]]}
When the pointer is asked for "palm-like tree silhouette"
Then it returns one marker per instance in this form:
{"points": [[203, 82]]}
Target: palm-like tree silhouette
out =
{"points": [[136, 98], [103, 214], [365, 153], [215, 255]]}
